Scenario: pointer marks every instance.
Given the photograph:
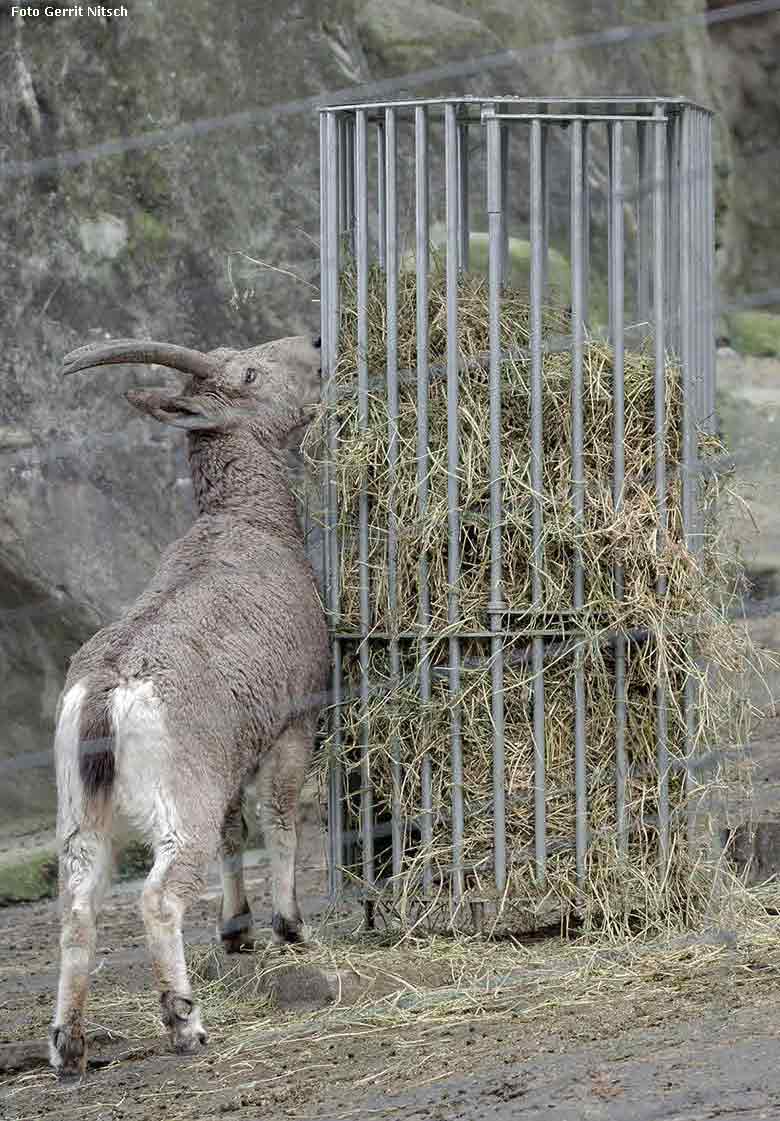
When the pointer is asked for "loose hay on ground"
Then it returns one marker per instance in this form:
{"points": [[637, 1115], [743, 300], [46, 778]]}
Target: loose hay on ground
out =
{"points": [[681, 631]]}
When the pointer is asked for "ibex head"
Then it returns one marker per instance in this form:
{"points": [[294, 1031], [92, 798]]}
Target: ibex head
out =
{"points": [[271, 388]]}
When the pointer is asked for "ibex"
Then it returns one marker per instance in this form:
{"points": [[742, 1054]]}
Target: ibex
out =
{"points": [[216, 670]]}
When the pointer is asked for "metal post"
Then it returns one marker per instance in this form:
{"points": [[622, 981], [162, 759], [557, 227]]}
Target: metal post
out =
{"points": [[422, 224], [504, 239], [349, 186], [366, 789], [578, 482], [391, 195], [617, 319], [659, 258], [537, 227], [687, 312], [330, 331], [644, 240], [544, 160], [381, 183], [463, 196], [585, 227], [496, 606], [453, 519]]}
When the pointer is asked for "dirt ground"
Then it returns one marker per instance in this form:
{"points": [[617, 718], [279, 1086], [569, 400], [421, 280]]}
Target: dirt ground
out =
{"points": [[656, 1045]]}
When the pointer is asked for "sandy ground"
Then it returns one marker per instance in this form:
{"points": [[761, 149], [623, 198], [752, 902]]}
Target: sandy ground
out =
{"points": [[658, 1049]]}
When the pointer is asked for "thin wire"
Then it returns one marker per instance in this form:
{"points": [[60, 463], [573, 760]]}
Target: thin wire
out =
{"points": [[617, 35]]}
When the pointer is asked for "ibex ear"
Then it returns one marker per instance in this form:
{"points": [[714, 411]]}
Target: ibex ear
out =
{"points": [[170, 408]]}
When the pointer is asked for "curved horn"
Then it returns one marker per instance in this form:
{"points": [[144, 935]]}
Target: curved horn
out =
{"points": [[141, 351]]}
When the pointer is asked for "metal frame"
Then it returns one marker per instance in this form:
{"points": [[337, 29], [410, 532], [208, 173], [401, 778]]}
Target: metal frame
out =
{"points": [[669, 143]]}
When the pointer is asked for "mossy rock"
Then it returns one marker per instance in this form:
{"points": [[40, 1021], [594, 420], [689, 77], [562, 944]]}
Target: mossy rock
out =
{"points": [[755, 332], [28, 878], [33, 876]]}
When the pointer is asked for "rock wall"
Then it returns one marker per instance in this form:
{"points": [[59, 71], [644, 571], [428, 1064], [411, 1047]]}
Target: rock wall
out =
{"points": [[205, 238]]}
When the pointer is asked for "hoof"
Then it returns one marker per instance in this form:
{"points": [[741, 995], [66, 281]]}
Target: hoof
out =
{"points": [[237, 933], [182, 1019], [68, 1052], [287, 932]]}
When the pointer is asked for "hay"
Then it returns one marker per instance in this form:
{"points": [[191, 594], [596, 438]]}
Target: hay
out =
{"points": [[684, 632]]}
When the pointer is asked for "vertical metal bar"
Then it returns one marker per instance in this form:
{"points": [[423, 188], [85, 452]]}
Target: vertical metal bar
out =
{"points": [[585, 226], [366, 789], [324, 321], [380, 193], [504, 239], [330, 330], [644, 157], [343, 172], [544, 162], [422, 225], [709, 250], [350, 183], [578, 484], [537, 279], [617, 321], [674, 133], [453, 519], [659, 295], [496, 606], [391, 195], [687, 312], [463, 196], [612, 201]]}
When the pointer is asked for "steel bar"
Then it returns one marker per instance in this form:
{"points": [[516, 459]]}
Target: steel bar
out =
{"points": [[463, 196], [330, 329], [709, 288], [392, 263], [644, 230], [658, 216], [585, 227], [537, 279], [349, 186], [324, 324], [578, 480], [422, 225], [366, 788], [495, 201], [505, 132], [617, 318], [544, 160], [343, 176], [687, 312], [381, 186], [453, 512], [673, 238], [612, 202], [574, 117]]}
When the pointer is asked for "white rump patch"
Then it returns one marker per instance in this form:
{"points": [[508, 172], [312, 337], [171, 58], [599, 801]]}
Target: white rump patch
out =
{"points": [[144, 761]]}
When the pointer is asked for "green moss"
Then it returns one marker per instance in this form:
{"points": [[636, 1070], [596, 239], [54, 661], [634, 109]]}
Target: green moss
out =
{"points": [[755, 332], [148, 233], [30, 878]]}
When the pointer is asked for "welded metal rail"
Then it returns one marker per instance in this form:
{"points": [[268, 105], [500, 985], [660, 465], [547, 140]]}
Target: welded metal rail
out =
{"points": [[391, 175]]}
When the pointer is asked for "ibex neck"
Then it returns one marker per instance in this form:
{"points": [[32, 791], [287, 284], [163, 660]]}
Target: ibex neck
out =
{"points": [[234, 473]]}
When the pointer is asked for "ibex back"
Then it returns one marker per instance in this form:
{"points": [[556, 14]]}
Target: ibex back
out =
{"points": [[218, 669]]}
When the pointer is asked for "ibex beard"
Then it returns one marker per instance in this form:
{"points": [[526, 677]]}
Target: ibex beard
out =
{"points": [[214, 675]]}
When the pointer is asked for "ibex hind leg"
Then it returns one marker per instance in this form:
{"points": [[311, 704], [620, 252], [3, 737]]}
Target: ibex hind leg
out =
{"points": [[85, 862], [235, 927], [177, 877], [281, 778]]}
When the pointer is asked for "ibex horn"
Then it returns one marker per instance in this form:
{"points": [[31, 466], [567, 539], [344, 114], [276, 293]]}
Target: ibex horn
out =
{"points": [[141, 352]]}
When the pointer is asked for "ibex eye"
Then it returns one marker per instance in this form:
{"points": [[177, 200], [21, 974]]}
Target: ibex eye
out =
{"points": [[250, 375]]}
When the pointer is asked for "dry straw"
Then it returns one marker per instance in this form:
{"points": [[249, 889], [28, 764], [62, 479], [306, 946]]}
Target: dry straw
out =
{"points": [[682, 631]]}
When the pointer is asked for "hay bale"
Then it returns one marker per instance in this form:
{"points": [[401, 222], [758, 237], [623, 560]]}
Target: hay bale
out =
{"points": [[671, 635]]}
